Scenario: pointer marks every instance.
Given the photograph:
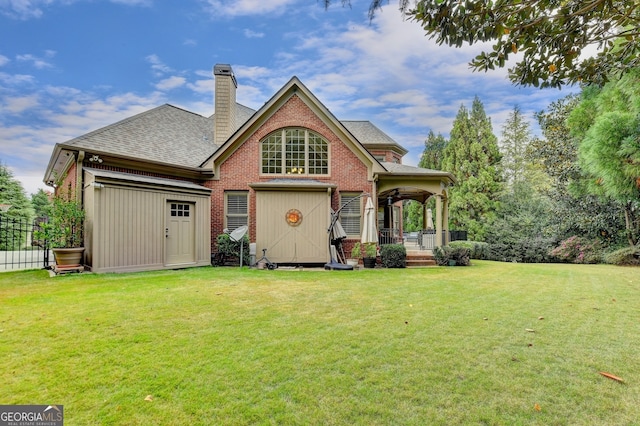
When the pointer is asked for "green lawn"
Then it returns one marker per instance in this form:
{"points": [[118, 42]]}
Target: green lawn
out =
{"points": [[487, 344]]}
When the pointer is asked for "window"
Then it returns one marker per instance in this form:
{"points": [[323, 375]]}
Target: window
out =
{"points": [[179, 210], [295, 152], [236, 209], [350, 215]]}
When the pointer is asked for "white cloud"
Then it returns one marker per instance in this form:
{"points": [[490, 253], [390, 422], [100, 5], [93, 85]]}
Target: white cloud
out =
{"points": [[37, 62], [22, 9], [224, 8], [170, 83], [248, 33], [133, 2], [20, 104], [4, 60], [33, 9], [159, 68], [16, 79]]}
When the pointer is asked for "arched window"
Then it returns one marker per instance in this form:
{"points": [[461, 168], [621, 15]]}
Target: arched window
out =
{"points": [[295, 152]]}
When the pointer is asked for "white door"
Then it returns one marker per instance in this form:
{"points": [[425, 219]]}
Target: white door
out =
{"points": [[180, 233]]}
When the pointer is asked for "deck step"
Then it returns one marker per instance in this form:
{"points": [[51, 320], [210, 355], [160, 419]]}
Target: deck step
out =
{"points": [[415, 259]]}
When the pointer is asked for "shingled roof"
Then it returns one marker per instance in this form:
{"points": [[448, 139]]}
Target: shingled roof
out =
{"points": [[165, 134], [368, 134], [173, 136]]}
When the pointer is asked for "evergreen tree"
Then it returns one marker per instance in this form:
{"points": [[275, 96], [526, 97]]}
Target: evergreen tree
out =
{"points": [[12, 194], [433, 151], [472, 155], [41, 203], [607, 123], [516, 136]]}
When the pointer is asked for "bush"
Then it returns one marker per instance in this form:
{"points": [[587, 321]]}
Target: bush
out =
{"points": [[624, 256], [451, 256], [477, 250], [393, 256], [527, 250], [230, 249], [578, 250]]}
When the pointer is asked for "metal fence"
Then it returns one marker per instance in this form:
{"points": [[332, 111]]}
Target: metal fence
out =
{"points": [[18, 249]]}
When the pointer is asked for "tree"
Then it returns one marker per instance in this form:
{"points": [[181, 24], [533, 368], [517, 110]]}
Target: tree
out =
{"points": [[433, 151], [607, 123], [575, 210], [548, 36], [41, 203], [472, 155], [516, 137], [12, 193]]}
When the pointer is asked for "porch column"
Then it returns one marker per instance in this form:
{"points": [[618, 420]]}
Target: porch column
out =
{"points": [[445, 220], [424, 215], [438, 220]]}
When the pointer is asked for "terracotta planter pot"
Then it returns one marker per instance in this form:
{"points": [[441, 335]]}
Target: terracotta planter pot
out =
{"points": [[68, 256]]}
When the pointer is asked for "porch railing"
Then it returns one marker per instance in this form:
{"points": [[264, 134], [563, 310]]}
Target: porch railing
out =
{"points": [[390, 236], [425, 239]]}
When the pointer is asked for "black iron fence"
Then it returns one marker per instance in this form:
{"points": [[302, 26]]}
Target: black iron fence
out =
{"points": [[18, 249]]}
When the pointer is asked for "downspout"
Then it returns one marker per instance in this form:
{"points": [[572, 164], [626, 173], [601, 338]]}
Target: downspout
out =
{"points": [[79, 183], [374, 191]]}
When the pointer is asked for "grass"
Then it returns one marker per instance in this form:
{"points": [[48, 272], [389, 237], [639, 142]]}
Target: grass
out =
{"points": [[374, 347]]}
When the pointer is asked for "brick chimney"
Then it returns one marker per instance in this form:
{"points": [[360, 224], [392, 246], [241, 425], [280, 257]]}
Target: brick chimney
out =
{"points": [[225, 103]]}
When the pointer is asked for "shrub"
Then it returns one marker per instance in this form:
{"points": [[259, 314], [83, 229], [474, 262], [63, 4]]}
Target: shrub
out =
{"points": [[370, 250], [477, 250], [451, 256], [625, 256], [356, 252], [527, 250], [393, 256], [230, 249], [578, 250], [65, 227]]}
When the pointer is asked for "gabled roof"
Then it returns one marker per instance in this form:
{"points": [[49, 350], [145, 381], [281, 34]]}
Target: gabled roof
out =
{"points": [[370, 135], [293, 87], [171, 136]]}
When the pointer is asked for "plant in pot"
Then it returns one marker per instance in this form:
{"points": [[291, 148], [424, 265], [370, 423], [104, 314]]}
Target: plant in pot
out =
{"points": [[370, 254], [356, 253], [63, 233]]}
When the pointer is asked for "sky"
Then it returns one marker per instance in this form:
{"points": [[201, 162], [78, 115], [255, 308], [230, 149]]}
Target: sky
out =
{"points": [[68, 67]]}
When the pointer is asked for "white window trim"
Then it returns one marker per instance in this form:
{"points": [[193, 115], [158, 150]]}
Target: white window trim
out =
{"points": [[226, 208], [283, 147]]}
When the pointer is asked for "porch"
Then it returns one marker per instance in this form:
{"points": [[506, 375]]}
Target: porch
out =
{"points": [[419, 244]]}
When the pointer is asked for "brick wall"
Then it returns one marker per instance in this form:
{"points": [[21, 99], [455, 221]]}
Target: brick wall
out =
{"points": [[243, 166], [67, 185]]}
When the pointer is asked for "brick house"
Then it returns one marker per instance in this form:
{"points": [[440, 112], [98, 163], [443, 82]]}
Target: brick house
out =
{"points": [[159, 187]]}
